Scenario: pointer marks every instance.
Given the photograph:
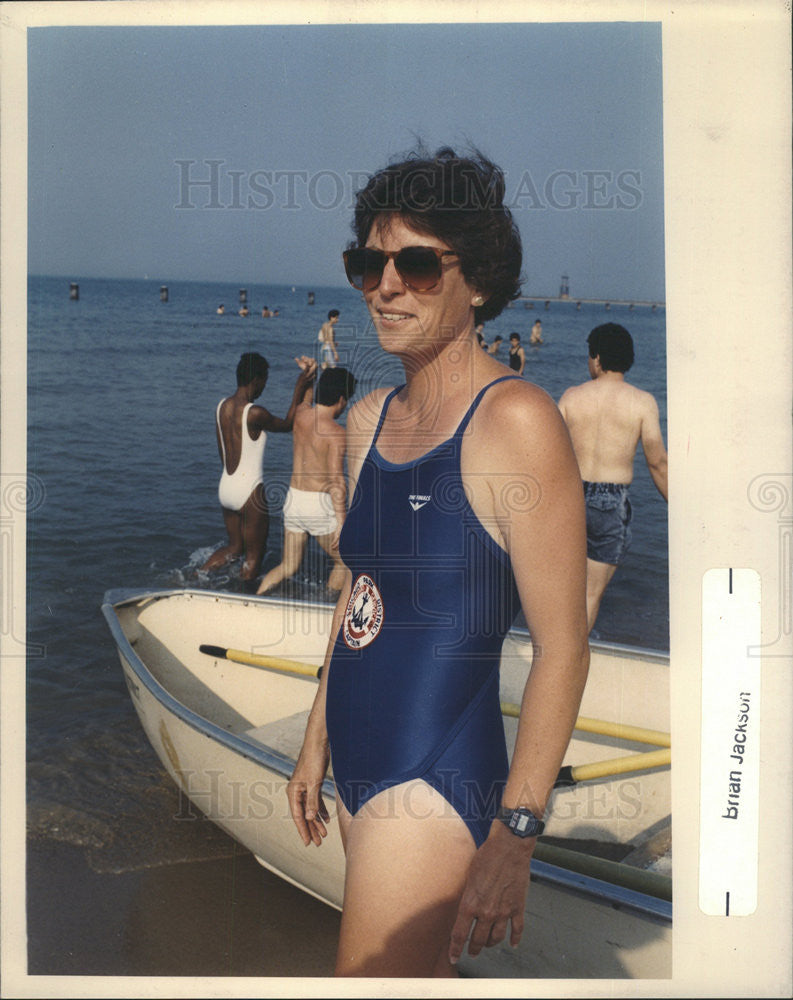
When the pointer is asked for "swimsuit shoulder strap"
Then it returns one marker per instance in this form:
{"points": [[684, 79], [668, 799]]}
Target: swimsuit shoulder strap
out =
{"points": [[246, 434], [386, 404], [472, 408], [220, 431]]}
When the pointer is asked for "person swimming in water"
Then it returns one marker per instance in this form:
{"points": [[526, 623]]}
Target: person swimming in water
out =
{"points": [[496, 345], [466, 506], [241, 431]]}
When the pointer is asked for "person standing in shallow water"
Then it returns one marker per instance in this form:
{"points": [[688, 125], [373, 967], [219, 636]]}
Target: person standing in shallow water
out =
{"points": [[607, 419], [315, 501], [517, 356], [241, 430], [329, 355], [438, 827]]}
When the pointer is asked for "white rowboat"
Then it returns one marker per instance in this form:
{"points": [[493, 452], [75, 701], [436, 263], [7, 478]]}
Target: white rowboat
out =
{"points": [[228, 726]]}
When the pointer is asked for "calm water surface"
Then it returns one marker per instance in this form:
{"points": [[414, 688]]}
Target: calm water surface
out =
{"points": [[123, 493]]}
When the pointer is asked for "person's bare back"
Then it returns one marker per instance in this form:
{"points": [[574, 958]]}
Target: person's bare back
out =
{"points": [[315, 503], [318, 449], [607, 418], [241, 430]]}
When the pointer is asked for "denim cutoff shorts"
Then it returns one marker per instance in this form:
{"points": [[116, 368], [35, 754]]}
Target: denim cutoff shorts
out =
{"points": [[608, 521]]}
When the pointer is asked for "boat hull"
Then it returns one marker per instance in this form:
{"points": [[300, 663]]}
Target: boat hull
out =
{"points": [[228, 735]]}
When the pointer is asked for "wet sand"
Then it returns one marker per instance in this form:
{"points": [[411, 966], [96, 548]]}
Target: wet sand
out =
{"points": [[223, 917]]}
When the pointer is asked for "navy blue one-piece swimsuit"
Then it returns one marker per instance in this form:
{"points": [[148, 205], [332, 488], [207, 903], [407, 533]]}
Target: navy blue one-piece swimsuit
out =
{"points": [[413, 684]]}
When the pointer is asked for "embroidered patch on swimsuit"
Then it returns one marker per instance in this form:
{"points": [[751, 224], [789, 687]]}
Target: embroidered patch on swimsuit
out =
{"points": [[363, 618]]}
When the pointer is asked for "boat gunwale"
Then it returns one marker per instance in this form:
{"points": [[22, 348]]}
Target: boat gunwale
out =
{"points": [[519, 632], [608, 892], [605, 892], [256, 752]]}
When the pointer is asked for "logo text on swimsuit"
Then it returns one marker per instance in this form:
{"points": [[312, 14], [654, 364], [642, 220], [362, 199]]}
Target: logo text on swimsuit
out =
{"points": [[417, 500], [363, 617]]}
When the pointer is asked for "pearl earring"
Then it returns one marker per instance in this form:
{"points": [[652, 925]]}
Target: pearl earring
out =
{"points": [[479, 300]]}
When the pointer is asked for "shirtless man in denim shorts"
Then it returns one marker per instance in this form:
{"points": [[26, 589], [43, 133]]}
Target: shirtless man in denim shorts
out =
{"points": [[607, 418]]}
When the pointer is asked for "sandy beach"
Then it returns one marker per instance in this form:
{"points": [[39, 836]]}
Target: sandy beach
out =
{"points": [[223, 917]]}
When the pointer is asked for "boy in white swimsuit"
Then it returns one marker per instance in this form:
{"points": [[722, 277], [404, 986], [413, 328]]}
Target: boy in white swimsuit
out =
{"points": [[241, 430], [316, 500]]}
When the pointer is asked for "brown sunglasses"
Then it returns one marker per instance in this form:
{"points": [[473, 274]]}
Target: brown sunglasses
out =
{"points": [[420, 268]]}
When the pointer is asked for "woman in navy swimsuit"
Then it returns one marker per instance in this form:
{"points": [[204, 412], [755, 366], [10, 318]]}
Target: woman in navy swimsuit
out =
{"points": [[466, 506]]}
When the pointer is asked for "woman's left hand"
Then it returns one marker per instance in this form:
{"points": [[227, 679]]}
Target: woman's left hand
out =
{"points": [[494, 894]]}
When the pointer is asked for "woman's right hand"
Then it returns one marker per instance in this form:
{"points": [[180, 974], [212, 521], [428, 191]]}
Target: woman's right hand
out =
{"points": [[304, 792]]}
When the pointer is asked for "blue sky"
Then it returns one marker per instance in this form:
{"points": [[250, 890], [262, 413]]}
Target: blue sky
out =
{"points": [[281, 123]]}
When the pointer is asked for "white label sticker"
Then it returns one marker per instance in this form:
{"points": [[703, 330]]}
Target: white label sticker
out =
{"points": [[730, 753]]}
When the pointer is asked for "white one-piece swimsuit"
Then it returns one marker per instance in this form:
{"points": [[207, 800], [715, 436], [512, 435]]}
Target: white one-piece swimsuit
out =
{"points": [[236, 487]]}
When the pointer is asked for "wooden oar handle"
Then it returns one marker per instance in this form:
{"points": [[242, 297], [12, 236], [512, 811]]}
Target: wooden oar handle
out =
{"points": [[217, 651], [565, 777], [619, 730], [571, 775]]}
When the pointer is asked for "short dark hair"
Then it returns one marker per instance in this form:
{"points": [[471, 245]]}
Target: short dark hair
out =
{"points": [[250, 366], [334, 383], [515, 335], [332, 313], [613, 345], [460, 200]]}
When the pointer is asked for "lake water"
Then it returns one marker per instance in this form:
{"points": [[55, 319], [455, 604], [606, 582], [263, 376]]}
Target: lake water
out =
{"points": [[122, 492]]}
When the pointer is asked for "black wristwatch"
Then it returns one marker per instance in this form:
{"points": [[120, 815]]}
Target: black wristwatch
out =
{"points": [[521, 821]]}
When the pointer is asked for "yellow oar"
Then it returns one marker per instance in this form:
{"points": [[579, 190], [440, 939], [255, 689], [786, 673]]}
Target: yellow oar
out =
{"points": [[257, 660], [616, 765], [567, 775], [635, 734]]}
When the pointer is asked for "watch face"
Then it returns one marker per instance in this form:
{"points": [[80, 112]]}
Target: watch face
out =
{"points": [[523, 822]]}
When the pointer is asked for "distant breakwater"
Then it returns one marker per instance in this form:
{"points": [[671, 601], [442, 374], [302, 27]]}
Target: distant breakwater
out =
{"points": [[533, 301]]}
